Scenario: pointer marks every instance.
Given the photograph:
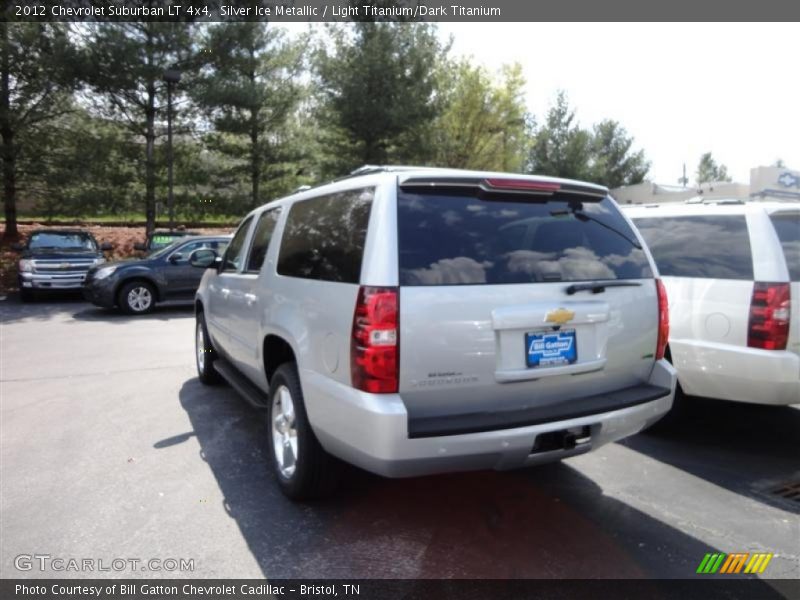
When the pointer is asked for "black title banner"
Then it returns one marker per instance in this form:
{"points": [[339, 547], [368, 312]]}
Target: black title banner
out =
{"points": [[709, 588], [400, 10]]}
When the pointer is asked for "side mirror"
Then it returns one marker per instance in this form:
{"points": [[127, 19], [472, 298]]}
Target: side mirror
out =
{"points": [[106, 247], [140, 246], [175, 257], [204, 258], [18, 247]]}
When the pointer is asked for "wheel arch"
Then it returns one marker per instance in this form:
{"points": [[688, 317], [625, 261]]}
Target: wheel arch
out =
{"points": [[133, 279], [276, 350]]}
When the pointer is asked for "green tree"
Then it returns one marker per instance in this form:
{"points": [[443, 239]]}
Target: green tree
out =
{"points": [[250, 89], [484, 124], [561, 147], [708, 170], [36, 79], [379, 92], [125, 67], [614, 163], [89, 167]]}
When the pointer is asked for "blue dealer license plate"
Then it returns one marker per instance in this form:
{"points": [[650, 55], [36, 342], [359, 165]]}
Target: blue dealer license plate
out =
{"points": [[551, 348]]}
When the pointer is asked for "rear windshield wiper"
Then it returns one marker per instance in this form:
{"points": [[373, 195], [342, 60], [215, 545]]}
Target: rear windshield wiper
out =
{"points": [[598, 286], [577, 210]]}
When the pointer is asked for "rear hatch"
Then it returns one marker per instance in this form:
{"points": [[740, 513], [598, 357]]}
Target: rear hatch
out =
{"points": [[518, 301]]}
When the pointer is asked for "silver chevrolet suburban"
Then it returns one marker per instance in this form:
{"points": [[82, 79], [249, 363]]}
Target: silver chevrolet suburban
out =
{"points": [[413, 321]]}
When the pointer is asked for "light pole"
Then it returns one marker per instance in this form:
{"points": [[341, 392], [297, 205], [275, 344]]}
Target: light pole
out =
{"points": [[171, 76]]}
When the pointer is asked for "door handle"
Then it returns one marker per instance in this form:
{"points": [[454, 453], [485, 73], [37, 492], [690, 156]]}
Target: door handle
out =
{"points": [[225, 292], [250, 299]]}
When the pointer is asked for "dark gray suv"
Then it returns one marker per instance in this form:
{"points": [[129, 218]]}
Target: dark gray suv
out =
{"points": [[135, 286]]}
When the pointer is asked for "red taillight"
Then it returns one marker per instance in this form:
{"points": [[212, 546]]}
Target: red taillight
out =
{"points": [[526, 185], [769, 316], [374, 356], [663, 320]]}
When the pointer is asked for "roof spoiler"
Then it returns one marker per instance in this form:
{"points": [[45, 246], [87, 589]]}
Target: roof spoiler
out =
{"points": [[504, 186]]}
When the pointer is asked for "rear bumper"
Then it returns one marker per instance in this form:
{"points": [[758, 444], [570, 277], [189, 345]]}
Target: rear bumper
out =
{"points": [[737, 373], [372, 431]]}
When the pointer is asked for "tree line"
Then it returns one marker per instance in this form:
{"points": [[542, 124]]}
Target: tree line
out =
{"points": [[259, 112]]}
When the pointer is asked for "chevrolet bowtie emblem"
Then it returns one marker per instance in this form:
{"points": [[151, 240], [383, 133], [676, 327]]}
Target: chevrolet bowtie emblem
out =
{"points": [[559, 316]]}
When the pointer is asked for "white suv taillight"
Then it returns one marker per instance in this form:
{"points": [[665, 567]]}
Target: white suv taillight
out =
{"points": [[769, 316], [663, 320], [374, 346]]}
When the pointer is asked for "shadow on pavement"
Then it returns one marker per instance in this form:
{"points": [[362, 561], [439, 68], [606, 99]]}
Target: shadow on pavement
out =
{"points": [[550, 522], [46, 307], [162, 312], [12, 309], [746, 448]]}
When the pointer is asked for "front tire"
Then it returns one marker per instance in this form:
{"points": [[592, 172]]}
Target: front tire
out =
{"points": [[137, 298], [302, 467], [205, 355], [26, 295]]}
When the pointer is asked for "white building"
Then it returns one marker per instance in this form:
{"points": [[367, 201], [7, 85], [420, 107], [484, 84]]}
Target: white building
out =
{"points": [[766, 183]]}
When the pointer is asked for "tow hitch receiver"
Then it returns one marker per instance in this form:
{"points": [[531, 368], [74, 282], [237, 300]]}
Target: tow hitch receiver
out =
{"points": [[563, 439]]}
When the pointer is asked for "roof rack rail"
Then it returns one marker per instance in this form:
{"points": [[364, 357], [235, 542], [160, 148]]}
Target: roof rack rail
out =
{"points": [[370, 169], [701, 200]]}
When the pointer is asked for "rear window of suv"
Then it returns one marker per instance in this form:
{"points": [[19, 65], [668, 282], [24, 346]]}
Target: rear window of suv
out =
{"points": [[459, 239], [787, 226], [709, 246], [324, 237]]}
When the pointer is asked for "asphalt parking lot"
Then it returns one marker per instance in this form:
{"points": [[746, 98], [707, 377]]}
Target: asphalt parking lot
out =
{"points": [[111, 448]]}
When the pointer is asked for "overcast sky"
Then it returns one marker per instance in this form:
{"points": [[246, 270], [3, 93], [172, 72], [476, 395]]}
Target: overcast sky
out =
{"points": [[679, 89]]}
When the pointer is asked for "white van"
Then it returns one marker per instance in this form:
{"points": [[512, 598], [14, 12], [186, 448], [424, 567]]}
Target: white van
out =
{"points": [[732, 274]]}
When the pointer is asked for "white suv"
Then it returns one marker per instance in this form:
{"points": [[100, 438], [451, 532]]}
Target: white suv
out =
{"points": [[732, 273], [414, 321]]}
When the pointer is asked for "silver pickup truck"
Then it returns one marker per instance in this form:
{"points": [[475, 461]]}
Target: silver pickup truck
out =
{"points": [[53, 260]]}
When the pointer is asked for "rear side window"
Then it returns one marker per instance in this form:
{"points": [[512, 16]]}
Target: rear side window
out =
{"points": [[324, 237], [787, 226], [261, 238], [459, 239], [714, 247]]}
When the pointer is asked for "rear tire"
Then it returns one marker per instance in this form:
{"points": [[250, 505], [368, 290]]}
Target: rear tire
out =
{"points": [[302, 467], [137, 298], [205, 355]]}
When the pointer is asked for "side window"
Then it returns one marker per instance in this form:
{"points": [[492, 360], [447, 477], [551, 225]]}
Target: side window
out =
{"points": [[261, 238], [787, 226], [187, 249], [715, 247], [235, 252], [219, 247], [324, 237]]}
